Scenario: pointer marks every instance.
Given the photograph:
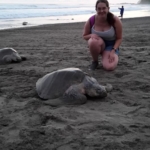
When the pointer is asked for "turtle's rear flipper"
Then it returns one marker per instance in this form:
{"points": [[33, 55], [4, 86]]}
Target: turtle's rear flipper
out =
{"points": [[67, 100], [54, 102]]}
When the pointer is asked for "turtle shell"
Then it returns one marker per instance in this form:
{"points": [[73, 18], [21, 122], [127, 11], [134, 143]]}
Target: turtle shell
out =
{"points": [[8, 52], [54, 85]]}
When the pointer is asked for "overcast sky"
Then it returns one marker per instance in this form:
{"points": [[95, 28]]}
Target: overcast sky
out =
{"points": [[49, 1]]}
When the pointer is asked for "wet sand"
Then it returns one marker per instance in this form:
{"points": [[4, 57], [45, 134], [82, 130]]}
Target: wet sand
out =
{"points": [[121, 121]]}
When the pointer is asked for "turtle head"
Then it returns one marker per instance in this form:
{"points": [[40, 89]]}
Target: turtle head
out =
{"points": [[93, 88]]}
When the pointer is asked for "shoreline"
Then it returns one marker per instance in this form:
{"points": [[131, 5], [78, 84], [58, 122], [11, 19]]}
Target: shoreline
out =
{"points": [[47, 20]]}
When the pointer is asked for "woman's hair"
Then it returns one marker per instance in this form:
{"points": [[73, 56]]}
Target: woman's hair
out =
{"points": [[110, 16]]}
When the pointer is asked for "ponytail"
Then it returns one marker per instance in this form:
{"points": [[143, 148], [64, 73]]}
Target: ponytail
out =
{"points": [[110, 18]]}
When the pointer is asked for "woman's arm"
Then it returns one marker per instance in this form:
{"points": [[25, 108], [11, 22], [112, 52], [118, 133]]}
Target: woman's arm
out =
{"points": [[87, 31], [118, 30]]}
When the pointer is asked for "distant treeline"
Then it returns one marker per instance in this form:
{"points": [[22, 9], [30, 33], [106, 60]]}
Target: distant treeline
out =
{"points": [[144, 1]]}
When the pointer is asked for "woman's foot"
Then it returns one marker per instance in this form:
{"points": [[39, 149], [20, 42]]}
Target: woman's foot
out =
{"points": [[94, 65]]}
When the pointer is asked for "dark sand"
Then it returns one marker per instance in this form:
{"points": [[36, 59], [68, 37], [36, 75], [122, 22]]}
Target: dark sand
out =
{"points": [[119, 122]]}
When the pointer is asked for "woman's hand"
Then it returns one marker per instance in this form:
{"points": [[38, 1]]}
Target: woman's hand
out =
{"points": [[94, 36], [111, 56]]}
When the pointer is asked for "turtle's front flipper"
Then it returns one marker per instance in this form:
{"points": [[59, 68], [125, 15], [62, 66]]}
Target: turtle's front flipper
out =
{"points": [[7, 58], [12, 58], [74, 95], [74, 98], [71, 97]]}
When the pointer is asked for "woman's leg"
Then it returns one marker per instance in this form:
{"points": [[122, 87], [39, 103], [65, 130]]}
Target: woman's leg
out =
{"points": [[96, 46], [105, 61]]}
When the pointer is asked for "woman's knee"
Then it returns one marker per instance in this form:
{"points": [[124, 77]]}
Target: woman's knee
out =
{"points": [[109, 65], [93, 42]]}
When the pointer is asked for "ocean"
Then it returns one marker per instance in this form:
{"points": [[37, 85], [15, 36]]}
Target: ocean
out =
{"points": [[13, 15]]}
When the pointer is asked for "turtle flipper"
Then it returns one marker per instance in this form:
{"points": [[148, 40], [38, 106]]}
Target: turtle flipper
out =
{"points": [[67, 100], [54, 102], [74, 98], [12, 58], [74, 95], [7, 58]]}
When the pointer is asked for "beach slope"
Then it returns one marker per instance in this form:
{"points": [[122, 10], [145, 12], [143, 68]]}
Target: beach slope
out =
{"points": [[119, 122]]}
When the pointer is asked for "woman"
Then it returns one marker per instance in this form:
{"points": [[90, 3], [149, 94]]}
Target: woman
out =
{"points": [[104, 36]]}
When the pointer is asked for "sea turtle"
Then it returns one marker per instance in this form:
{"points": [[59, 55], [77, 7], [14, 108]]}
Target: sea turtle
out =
{"points": [[8, 55], [69, 86]]}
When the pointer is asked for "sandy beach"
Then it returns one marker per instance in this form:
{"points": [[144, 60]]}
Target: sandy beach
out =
{"points": [[121, 121]]}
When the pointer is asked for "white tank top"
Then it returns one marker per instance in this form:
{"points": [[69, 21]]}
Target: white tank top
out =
{"points": [[108, 35]]}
